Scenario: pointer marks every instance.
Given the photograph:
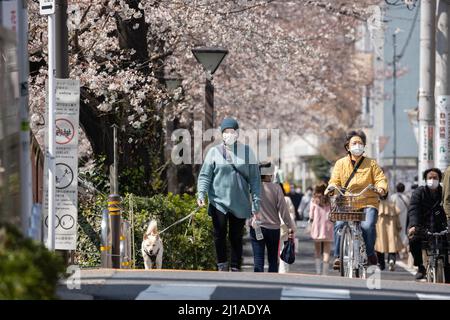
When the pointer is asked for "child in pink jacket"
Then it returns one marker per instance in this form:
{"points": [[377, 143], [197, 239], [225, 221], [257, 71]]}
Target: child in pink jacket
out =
{"points": [[321, 228]]}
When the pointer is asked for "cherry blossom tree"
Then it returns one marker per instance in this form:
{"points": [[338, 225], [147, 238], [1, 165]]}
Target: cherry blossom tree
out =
{"points": [[290, 66]]}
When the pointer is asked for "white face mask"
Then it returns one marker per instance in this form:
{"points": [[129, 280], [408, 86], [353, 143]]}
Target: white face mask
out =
{"points": [[229, 138], [357, 149], [432, 184]]}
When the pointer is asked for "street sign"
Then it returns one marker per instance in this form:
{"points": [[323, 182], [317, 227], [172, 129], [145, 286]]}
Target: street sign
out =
{"points": [[66, 168], [442, 121], [46, 7]]}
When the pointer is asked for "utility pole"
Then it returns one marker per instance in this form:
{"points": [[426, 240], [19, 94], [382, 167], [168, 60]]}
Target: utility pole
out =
{"points": [[394, 112], [114, 206], [442, 90], [25, 157], [62, 64], [48, 8], [426, 90]]}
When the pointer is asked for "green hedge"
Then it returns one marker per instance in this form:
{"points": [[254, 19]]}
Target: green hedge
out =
{"points": [[186, 246], [27, 269]]}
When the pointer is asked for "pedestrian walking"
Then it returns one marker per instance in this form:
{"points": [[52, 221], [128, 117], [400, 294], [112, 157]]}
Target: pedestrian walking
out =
{"points": [[284, 230], [231, 179], [273, 206], [296, 196], [303, 209], [321, 228], [401, 202], [425, 212], [353, 173], [388, 229]]}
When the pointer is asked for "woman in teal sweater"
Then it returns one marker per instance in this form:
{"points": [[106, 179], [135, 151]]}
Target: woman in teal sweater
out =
{"points": [[231, 179]]}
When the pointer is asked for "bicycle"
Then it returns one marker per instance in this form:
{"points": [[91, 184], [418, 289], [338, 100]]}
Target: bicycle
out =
{"points": [[350, 209], [436, 248]]}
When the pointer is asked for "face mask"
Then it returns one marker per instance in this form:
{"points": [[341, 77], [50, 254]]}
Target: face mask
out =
{"points": [[229, 138], [357, 149], [432, 184]]}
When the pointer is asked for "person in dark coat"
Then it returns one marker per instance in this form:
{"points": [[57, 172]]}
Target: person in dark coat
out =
{"points": [[296, 197], [425, 200]]}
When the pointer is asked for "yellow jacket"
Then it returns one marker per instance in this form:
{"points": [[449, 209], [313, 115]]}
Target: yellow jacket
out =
{"points": [[368, 173]]}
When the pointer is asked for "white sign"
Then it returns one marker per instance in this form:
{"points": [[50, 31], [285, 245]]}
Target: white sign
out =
{"points": [[66, 174], [46, 7], [442, 132]]}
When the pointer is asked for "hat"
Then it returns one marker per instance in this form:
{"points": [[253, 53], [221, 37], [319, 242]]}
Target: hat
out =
{"points": [[266, 168], [229, 123]]}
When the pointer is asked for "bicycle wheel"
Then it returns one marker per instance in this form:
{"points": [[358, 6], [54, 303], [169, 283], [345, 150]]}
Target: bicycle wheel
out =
{"points": [[346, 252], [439, 274]]}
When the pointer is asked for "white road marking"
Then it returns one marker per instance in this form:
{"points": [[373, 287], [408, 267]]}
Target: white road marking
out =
{"points": [[406, 267], [424, 296], [306, 293], [177, 292]]}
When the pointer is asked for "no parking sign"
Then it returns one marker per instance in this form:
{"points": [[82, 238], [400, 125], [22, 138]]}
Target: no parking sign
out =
{"points": [[66, 174]]}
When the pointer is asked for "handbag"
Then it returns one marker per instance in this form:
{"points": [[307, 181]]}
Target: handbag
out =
{"points": [[288, 253]]}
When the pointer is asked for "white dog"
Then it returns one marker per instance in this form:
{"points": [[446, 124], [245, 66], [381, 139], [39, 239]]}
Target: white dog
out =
{"points": [[152, 247]]}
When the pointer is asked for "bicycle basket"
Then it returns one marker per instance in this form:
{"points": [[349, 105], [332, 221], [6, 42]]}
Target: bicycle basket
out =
{"points": [[348, 208]]}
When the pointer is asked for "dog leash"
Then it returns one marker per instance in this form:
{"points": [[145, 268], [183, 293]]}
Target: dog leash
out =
{"points": [[190, 215]]}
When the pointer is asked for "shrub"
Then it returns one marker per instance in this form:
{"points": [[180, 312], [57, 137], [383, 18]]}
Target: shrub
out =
{"points": [[187, 245], [27, 269]]}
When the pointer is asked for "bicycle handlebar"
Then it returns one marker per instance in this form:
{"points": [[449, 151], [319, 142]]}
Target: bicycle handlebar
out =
{"points": [[332, 188], [436, 234]]}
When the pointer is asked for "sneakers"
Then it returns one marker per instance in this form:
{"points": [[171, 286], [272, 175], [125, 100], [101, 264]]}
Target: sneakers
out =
{"points": [[336, 264], [391, 265], [222, 266], [421, 273]]}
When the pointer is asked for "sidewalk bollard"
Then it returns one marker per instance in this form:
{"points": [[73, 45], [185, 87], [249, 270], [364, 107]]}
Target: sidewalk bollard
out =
{"points": [[105, 248], [114, 202], [125, 246]]}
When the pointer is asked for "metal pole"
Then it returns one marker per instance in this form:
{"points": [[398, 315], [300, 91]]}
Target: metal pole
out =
{"points": [[105, 249], [394, 112], [62, 68], [442, 90], [25, 158], [426, 90], [172, 179], [209, 102], [51, 132], [114, 208], [62, 40]]}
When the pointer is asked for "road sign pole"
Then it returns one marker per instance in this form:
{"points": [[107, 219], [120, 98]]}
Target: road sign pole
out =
{"points": [[51, 132]]}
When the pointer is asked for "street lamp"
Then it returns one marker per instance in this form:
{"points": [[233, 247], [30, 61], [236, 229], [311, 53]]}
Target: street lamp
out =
{"points": [[172, 83], [210, 59]]}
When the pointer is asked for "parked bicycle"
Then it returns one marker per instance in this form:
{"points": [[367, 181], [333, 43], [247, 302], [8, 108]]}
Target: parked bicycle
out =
{"points": [[436, 246], [349, 207]]}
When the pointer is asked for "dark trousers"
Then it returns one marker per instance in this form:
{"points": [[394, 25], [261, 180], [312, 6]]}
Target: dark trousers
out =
{"points": [[221, 222], [271, 241], [415, 246]]}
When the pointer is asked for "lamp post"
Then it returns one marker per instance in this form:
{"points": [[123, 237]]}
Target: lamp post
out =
{"points": [[210, 59], [171, 83]]}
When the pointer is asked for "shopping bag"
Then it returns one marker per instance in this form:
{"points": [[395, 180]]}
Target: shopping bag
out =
{"points": [[288, 252]]}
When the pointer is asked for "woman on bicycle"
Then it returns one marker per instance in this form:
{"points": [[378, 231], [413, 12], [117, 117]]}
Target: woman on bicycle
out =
{"points": [[425, 202], [353, 173]]}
